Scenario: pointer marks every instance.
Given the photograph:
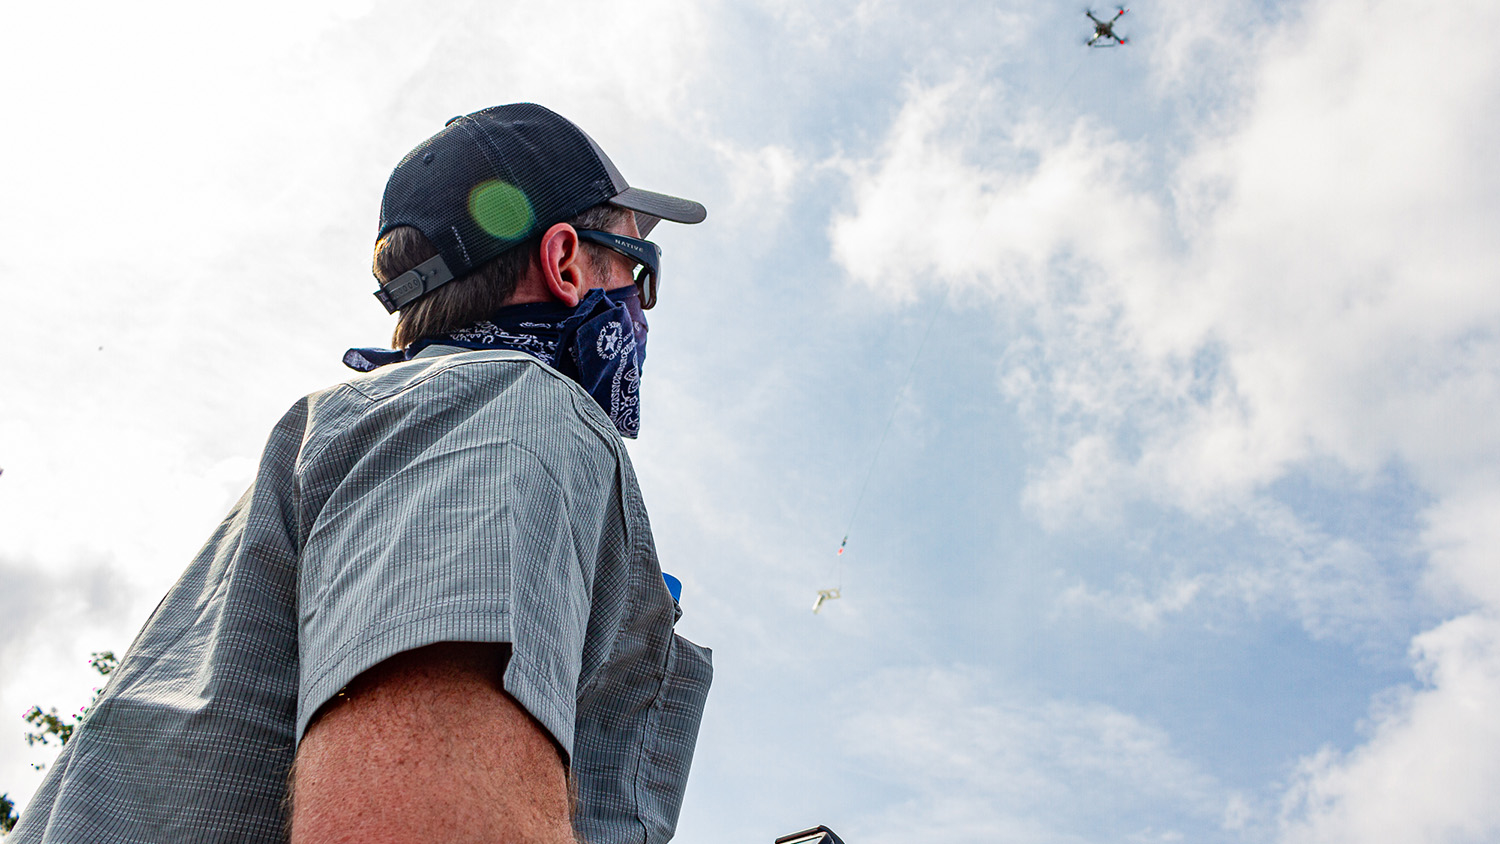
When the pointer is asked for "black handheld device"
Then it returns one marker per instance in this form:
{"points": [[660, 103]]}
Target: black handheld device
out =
{"points": [[817, 835]]}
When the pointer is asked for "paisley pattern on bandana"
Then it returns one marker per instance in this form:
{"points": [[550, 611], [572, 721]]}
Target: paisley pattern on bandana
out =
{"points": [[601, 344], [608, 359], [486, 334]]}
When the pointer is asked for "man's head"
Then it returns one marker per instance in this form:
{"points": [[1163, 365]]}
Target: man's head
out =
{"points": [[477, 209]]}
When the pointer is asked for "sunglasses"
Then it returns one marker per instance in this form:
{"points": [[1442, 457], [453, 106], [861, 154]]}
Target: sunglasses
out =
{"points": [[646, 254]]}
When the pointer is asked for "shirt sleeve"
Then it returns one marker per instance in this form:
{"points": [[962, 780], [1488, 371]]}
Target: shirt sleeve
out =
{"points": [[464, 511]]}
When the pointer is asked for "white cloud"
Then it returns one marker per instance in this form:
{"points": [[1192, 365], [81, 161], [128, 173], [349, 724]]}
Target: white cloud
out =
{"points": [[925, 213], [1318, 284], [1462, 536], [761, 184], [979, 764], [1198, 49], [1430, 769], [1333, 298], [1131, 604], [51, 618], [1336, 587]]}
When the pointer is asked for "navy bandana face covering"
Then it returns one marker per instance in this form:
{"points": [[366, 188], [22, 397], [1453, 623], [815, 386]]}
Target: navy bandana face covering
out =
{"points": [[601, 344]]}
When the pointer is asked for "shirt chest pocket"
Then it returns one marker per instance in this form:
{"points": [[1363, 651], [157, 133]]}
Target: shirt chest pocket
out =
{"points": [[631, 762]]}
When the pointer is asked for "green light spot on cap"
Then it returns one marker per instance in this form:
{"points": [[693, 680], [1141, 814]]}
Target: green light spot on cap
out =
{"points": [[501, 209]]}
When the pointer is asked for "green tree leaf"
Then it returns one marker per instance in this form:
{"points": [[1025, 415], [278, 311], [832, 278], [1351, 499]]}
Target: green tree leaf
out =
{"points": [[49, 725]]}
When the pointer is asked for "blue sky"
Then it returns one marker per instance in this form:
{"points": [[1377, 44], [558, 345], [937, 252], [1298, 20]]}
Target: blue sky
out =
{"points": [[1183, 528]]}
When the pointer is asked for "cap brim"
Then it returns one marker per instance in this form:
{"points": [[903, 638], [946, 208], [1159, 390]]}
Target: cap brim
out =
{"points": [[644, 223], [660, 207]]}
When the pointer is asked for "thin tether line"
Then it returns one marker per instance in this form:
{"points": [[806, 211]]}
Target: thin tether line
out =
{"points": [[1064, 86], [896, 405], [937, 310]]}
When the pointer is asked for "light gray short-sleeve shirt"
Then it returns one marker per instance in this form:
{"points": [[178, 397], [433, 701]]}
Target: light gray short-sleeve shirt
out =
{"points": [[461, 496]]}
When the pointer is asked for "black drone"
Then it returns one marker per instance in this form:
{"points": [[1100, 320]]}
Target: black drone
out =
{"points": [[1104, 31]]}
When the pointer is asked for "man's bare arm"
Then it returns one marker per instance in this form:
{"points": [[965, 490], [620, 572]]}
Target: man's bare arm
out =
{"points": [[427, 747]]}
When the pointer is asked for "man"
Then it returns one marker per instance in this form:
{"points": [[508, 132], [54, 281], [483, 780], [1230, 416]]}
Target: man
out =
{"points": [[440, 597]]}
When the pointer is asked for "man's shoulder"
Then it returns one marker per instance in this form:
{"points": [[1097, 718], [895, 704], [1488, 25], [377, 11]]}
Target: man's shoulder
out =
{"points": [[488, 393], [462, 372], [449, 377]]}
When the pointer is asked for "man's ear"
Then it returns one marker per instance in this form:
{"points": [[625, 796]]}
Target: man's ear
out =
{"points": [[563, 264]]}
